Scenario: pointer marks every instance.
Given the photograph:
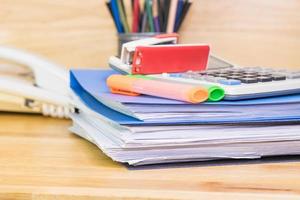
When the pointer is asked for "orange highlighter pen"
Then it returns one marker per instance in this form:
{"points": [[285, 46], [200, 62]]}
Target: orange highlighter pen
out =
{"points": [[127, 85]]}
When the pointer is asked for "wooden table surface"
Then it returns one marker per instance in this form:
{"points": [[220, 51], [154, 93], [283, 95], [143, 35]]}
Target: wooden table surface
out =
{"points": [[41, 159]]}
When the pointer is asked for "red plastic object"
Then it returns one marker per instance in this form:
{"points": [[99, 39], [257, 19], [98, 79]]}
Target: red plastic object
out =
{"points": [[167, 35], [169, 59]]}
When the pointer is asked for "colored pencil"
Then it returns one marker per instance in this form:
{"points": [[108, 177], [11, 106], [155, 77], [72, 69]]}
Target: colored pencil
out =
{"points": [[155, 16], [172, 15], [149, 14], [136, 16], [178, 13], [115, 12], [160, 4], [144, 20], [132, 4], [123, 7], [166, 16], [122, 16], [184, 13], [110, 11]]}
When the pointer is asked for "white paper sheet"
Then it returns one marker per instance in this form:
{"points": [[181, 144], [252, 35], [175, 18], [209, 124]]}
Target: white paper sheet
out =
{"points": [[212, 143]]}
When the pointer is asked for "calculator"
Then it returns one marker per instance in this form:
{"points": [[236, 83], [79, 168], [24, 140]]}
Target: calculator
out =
{"points": [[240, 82]]}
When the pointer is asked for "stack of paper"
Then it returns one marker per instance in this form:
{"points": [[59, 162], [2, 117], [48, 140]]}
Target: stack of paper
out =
{"points": [[147, 130]]}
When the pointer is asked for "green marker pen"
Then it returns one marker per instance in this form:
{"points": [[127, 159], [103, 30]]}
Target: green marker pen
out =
{"points": [[216, 93]]}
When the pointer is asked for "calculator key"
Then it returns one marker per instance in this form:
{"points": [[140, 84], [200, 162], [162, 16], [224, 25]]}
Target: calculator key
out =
{"points": [[249, 75], [211, 74], [223, 75], [251, 72], [278, 77], [236, 71], [264, 79], [224, 71], [249, 80], [264, 74], [231, 71], [236, 74], [229, 82], [236, 77], [218, 73]]}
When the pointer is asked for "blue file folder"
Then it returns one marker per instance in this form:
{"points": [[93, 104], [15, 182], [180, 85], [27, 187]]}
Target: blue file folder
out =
{"points": [[90, 86]]}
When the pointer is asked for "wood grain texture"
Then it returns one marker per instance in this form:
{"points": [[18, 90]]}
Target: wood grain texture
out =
{"points": [[40, 159], [80, 33]]}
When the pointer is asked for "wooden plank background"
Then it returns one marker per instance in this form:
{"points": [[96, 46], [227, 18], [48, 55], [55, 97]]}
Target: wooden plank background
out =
{"points": [[79, 33]]}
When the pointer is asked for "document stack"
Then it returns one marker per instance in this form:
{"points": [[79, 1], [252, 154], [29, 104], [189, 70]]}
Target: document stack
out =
{"points": [[141, 130]]}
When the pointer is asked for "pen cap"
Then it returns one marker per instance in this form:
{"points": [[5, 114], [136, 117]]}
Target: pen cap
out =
{"points": [[216, 93], [121, 84]]}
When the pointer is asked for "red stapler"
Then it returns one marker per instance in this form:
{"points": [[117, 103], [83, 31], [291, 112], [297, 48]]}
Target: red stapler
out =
{"points": [[160, 54]]}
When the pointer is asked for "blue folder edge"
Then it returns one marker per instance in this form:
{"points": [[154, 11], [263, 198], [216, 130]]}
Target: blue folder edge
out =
{"points": [[94, 82], [95, 77], [98, 107]]}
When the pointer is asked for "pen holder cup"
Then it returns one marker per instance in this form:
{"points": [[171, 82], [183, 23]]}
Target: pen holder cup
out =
{"points": [[127, 37]]}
